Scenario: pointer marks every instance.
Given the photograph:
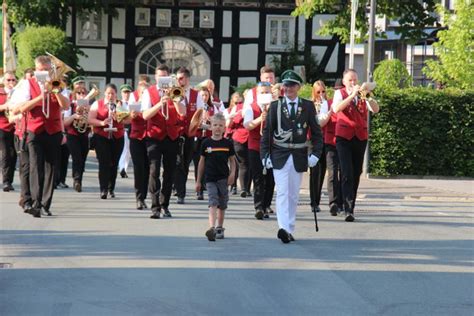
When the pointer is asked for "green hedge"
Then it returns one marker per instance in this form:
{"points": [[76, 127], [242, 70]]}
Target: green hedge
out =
{"points": [[420, 131]]}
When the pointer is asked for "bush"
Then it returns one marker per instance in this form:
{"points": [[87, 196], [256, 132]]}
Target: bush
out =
{"points": [[392, 74], [35, 41], [420, 131]]}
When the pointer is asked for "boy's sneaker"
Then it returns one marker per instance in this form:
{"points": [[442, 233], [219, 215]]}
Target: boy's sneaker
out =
{"points": [[211, 234], [220, 232]]}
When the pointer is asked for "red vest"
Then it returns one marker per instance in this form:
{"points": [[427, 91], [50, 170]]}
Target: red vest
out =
{"points": [[190, 110], [157, 127], [352, 121], [136, 96], [329, 130], [37, 121], [4, 124], [200, 133], [102, 114], [254, 135], [240, 133]]}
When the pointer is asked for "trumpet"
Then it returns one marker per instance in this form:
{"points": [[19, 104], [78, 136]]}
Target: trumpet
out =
{"points": [[366, 89], [112, 108], [170, 88], [82, 123]]}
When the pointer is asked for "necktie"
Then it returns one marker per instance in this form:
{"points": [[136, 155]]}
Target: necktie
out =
{"points": [[292, 111]]}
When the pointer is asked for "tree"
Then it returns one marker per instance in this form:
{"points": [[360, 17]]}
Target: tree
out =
{"points": [[413, 16], [293, 57], [392, 74], [455, 49], [34, 41], [56, 12]]}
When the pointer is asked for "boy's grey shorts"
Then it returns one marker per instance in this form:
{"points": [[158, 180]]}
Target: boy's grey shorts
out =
{"points": [[218, 193]]}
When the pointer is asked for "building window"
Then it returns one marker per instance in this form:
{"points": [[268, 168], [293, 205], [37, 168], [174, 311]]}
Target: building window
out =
{"points": [[175, 52], [280, 31], [92, 29]]}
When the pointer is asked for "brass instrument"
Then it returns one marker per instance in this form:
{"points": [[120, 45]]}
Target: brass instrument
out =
{"points": [[58, 70], [121, 113], [365, 91], [93, 93], [199, 120], [82, 123], [112, 107], [170, 88]]}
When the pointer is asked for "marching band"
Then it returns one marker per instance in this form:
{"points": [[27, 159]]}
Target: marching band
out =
{"points": [[275, 134]]}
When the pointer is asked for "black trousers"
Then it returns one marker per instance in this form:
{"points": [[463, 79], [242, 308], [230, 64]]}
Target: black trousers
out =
{"points": [[242, 154], [351, 158], [79, 148], [8, 156], [186, 151], [316, 180], [24, 163], [108, 151], [43, 155], [334, 176], [263, 185], [167, 151], [62, 164], [141, 167]]}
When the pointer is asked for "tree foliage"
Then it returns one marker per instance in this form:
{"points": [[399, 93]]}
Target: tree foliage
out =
{"points": [[34, 41], [413, 16], [392, 74], [455, 49], [293, 57], [55, 12]]}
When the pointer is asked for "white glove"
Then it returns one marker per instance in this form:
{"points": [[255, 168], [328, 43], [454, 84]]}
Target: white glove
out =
{"points": [[312, 160], [267, 163]]}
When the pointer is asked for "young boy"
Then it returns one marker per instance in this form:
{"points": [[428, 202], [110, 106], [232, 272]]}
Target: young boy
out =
{"points": [[217, 153]]}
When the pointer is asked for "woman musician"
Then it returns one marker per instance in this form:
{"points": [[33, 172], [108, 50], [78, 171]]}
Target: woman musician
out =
{"points": [[108, 138], [77, 133]]}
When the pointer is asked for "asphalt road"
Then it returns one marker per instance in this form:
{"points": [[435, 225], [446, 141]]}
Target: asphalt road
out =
{"points": [[410, 252]]}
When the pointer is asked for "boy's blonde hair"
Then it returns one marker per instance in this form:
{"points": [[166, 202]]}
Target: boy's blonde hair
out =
{"points": [[219, 116]]}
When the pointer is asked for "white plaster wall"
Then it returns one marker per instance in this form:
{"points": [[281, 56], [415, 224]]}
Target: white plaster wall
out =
{"points": [[227, 28], [210, 41], [118, 82], [248, 57], [301, 32], [224, 85], [138, 40], [269, 59], [118, 25], [225, 56], [243, 80], [318, 21], [118, 57], [249, 24], [95, 60], [332, 63]]}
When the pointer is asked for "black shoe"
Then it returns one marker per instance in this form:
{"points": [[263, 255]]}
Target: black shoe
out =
{"points": [[349, 217], [77, 186], [291, 237], [27, 207], [112, 194], [200, 196], [123, 173], [166, 213], [8, 187], [155, 215], [62, 185], [45, 212], [234, 190], [103, 195], [140, 205], [334, 209], [180, 200], [35, 211], [259, 214], [316, 209], [269, 209], [283, 236], [243, 194], [211, 234], [144, 204], [265, 214]]}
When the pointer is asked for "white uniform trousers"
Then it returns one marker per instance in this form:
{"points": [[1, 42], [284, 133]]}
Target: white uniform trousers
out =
{"points": [[288, 183], [125, 157]]}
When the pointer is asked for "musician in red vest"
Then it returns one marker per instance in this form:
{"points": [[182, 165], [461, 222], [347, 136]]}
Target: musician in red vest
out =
{"points": [[254, 115], [44, 126], [141, 164], [187, 146], [165, 118], [351, 136], [108, 139], [7, 147], [77, 134]]}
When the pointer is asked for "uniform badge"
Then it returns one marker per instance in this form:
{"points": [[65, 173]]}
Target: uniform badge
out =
{"points": [[209, 150], [299, 131]]}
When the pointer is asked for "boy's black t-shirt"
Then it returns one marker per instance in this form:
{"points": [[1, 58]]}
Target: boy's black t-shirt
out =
{"points": [[217, 153]]}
